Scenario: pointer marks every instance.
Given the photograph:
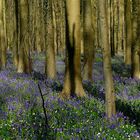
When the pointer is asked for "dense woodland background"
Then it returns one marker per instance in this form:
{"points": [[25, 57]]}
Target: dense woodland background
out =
{"points": [[70, 69]]}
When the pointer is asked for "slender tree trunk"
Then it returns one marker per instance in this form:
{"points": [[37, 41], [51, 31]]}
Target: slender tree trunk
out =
{"points": [[94, 23], [73, 80], [112, 28], [55, 28], [58, 20], [38, 28], [120, 25], [115, 18], [128, 31], [32, 24], [135, 39], [2, 34], [109, 87], [15, 33], [50, 68], [88, 35]]}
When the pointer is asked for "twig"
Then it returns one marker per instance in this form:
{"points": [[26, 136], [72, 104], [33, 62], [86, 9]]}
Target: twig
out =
{"points": [[43, 105]]}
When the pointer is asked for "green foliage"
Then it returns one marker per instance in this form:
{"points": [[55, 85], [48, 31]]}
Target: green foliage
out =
{"points": [[70, 119]]}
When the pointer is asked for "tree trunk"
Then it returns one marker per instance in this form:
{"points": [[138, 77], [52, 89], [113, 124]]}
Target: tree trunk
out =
{"points": [[128, 31], [88, 35], [109, 87], [112, 27], [50, 67], [135, 39], [2, 34], [15, 34], [24, 64], [38, 26], [120, 25], [73, 80]]}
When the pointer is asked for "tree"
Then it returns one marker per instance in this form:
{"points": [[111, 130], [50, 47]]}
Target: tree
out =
{"points": [[15, 33], [89, 39], [135, 39], [120, 36], [73, 80], [2, 34], [109, 89], [128, 31], [39, 25], [111, 23], [58, 20], [50, 66], [24, 63]]}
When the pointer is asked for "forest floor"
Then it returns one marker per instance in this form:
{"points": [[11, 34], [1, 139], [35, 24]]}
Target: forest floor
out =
{"points": [[22, 116]]}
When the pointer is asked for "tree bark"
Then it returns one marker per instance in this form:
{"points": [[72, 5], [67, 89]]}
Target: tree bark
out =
{"points": [[50, 66], [73, 80], [128, 31], [24, 64], [135, 39], [89, 40], [2, 34], [109, 87]]}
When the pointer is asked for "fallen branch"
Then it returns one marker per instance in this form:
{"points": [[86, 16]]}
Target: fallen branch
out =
{"points": [[43, 105]]}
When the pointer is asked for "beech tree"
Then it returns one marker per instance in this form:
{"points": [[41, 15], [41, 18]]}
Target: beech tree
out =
{"points": [[50, 66], [15, 33], [89, 40], [39, 26], [24, 62], [73, 80], [2, 34], [135, 39], [58, 22], [109, 87], [128, 31]]}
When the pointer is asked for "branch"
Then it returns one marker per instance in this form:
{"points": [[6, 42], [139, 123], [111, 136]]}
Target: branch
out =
{"points": [[43, 105]]}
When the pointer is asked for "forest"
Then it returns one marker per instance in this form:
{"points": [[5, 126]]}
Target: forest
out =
{"points": [[69, 69]]}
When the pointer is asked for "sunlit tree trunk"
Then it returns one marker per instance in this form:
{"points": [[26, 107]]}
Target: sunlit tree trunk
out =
{"points": [[136, 39], [109, 87], [88, 36], [2, 34], [50, 67], [73, 80]]}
